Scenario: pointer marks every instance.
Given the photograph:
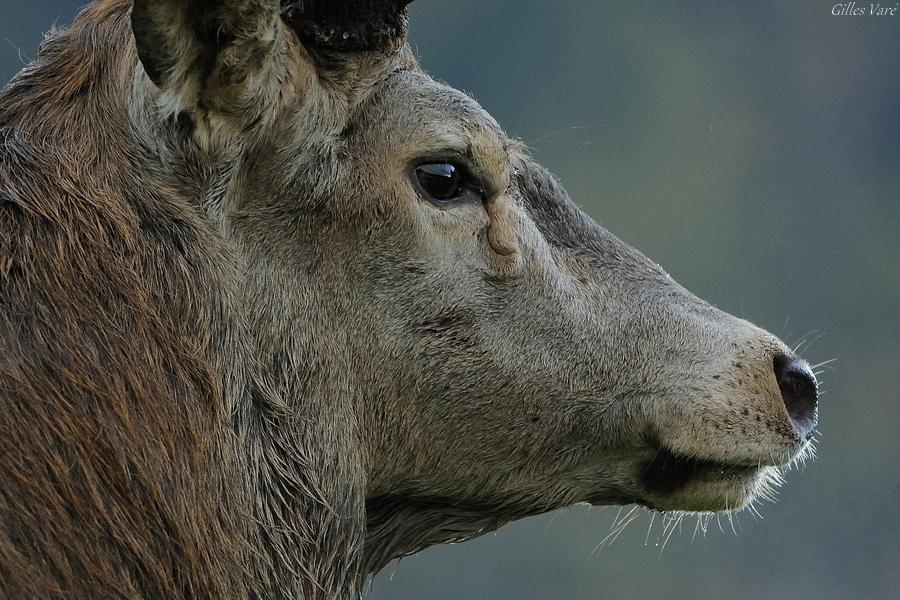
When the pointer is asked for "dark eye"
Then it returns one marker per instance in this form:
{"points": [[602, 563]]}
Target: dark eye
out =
{"points": [[445, 182], [440, 181]]}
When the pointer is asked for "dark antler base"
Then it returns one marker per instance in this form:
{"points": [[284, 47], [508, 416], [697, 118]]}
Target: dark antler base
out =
{"points": [[348, 26]]}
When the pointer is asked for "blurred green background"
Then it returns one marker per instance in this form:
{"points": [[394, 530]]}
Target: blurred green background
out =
{"points": [[753, 149]]}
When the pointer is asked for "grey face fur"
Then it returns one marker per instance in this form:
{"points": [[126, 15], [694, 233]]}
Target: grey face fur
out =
{"points": [[447, 368], [502, 358]]}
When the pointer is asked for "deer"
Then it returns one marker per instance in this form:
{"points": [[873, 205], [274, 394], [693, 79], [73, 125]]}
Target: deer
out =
{"points": [[277, 307]]}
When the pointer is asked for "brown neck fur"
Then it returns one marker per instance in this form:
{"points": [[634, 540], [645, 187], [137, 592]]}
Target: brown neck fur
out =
{"points": [[125, 360]]}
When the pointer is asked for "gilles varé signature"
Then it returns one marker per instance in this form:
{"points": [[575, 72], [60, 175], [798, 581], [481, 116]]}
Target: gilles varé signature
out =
{"points": [[872, 9]]}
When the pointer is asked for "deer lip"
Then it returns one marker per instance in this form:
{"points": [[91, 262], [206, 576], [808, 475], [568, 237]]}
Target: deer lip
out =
{"points": [[668, 471]]}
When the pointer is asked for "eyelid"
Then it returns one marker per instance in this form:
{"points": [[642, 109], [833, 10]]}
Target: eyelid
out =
{"points": [[454, 153], [459, 159], [451, 156]]}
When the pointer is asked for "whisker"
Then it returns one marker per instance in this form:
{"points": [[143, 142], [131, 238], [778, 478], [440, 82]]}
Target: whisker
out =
{"points": [[673, 524], [650, 528], [807, 339], [823, 363], [617, 528], [561, 132]]}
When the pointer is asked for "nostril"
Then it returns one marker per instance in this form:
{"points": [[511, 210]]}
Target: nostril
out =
{"points": [[799, 391]]}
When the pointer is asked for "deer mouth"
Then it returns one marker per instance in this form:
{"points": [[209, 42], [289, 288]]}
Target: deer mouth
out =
{"points": [[669, 472]]}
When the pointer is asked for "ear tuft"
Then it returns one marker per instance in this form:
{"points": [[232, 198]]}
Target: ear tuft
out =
{"points": [[209, 55]]}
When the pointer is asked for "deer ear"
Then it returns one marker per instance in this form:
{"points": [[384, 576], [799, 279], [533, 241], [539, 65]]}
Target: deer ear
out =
{"points": [[211, 56]]}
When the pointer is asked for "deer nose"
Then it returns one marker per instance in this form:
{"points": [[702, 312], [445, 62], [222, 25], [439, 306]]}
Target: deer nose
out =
{"points": [[799, 390]]}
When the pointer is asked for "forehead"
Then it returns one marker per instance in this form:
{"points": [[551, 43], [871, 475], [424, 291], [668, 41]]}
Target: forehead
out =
{"points": [[410, 111]]}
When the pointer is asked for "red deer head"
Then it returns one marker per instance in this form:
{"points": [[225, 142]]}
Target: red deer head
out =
{"points": [[277, 307]]}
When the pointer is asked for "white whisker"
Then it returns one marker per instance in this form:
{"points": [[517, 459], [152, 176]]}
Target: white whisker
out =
{"points": [[650, 528]]}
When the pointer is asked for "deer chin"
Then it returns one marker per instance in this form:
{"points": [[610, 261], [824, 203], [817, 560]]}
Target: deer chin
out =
{"points": [[673, 481]]}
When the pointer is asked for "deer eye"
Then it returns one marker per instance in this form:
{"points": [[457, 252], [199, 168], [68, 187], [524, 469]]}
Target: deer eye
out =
{"points": [[445, 182]]}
